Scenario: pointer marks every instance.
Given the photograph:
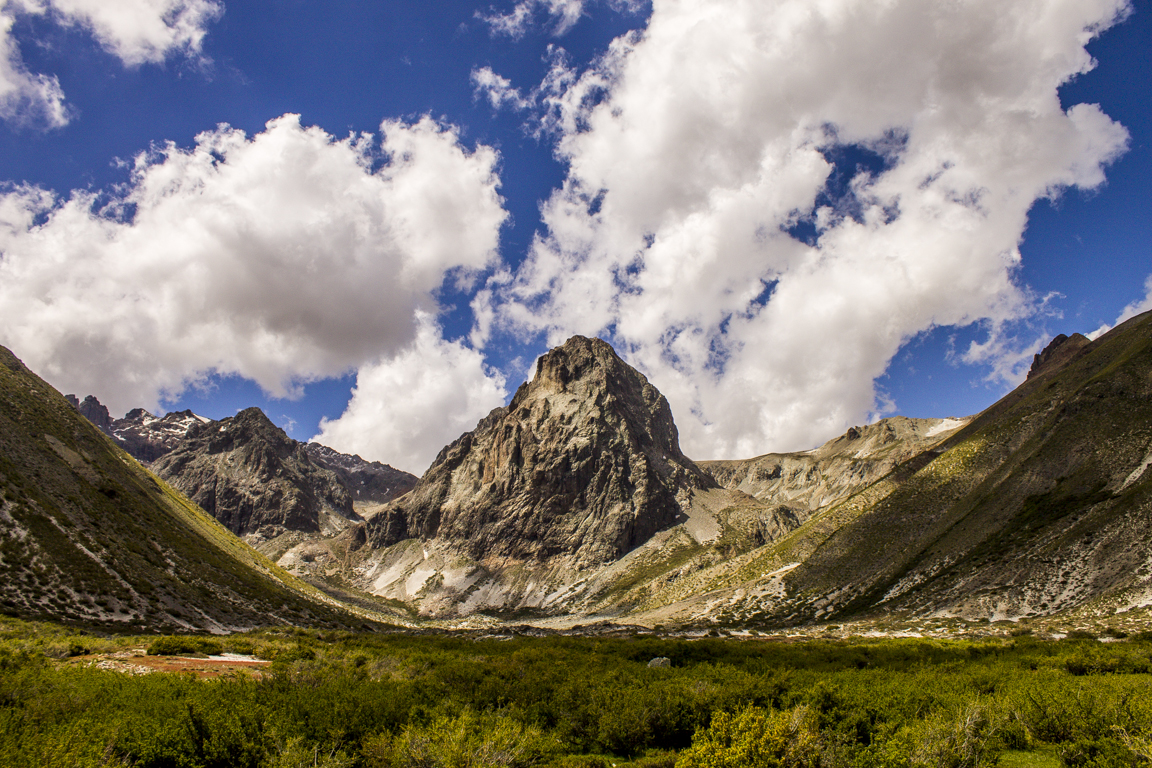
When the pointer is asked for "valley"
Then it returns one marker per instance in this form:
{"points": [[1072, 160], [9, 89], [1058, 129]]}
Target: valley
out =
{"points": [[574, 505], [564, 587]]}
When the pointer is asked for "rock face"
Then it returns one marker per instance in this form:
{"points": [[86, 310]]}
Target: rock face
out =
{"points": [[584, 462], [368, 482], [255, 480], [93, 410], [1059, 352]]}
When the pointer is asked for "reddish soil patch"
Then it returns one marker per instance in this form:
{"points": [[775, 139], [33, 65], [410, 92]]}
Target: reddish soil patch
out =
{"points": [[137, 662]]}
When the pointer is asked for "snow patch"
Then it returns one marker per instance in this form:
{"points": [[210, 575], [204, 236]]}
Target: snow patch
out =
{"points": [[945, 425], [1137, 473]]}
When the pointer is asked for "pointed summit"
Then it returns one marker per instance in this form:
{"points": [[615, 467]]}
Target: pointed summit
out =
{"points": [[585, 461]]}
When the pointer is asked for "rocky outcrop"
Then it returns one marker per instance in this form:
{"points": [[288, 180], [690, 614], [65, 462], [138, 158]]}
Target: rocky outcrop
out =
{"points": [[93, 410], [584, 462], [1059, 352], [256, 480], [368, 482]]}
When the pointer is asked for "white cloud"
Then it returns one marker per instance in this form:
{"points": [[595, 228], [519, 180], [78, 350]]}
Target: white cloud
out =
{"points": [[135, 31], [497, 90], [405, 408], [142, 31], [25, 98], [281, 257], [1135, 308], [695, 148], [563, 13]]}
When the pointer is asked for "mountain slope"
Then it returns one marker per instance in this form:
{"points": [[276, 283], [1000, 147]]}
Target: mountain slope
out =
{"points": [[88, 536], [808, 481], [1043, 503]]}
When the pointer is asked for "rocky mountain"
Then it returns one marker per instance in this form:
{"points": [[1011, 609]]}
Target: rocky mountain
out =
{"points": [[258, 482], [369, 483], [89, 537], [144, 436], [585, 461], [811, 480], [564, 502], [1042, 504], [576, 500]]}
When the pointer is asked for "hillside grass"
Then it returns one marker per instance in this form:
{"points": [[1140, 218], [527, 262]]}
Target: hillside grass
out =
{"points": [[91, 538], [335, 698]]}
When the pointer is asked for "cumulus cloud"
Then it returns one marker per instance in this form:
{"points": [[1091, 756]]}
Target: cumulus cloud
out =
{"points": [[281, 257], [1137, 307], [25, 98], [766, 200], [135, 31], [408, 406]]}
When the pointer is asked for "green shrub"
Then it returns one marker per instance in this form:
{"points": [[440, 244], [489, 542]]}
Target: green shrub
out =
{"points": [[295, 753], [184, 645], [967, 741], [1080, 634], [470, 740], [1098, 753], [756, 738]]}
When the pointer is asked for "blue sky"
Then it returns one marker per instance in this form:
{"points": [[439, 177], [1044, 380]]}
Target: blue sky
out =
{"points": [[791, 220]]}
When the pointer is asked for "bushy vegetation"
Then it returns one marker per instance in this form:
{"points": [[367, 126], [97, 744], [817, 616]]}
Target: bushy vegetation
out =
{"points": [[345, 699]]}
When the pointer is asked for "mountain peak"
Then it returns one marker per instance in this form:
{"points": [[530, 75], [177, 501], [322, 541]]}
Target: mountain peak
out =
{"points": [[253, 478], [1058, 352], [585, 461], [576, 360]]}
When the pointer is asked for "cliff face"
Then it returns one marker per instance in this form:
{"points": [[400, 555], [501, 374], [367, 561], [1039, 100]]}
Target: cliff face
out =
{"points": [[255, 480], [585, 461]]}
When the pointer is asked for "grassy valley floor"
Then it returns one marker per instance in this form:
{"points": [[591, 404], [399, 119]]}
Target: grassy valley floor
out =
{"points": [[328, 698]]}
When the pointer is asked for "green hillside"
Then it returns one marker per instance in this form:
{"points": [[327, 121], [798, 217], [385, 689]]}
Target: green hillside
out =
{"points": [[1041, 504], [89, 537]]}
